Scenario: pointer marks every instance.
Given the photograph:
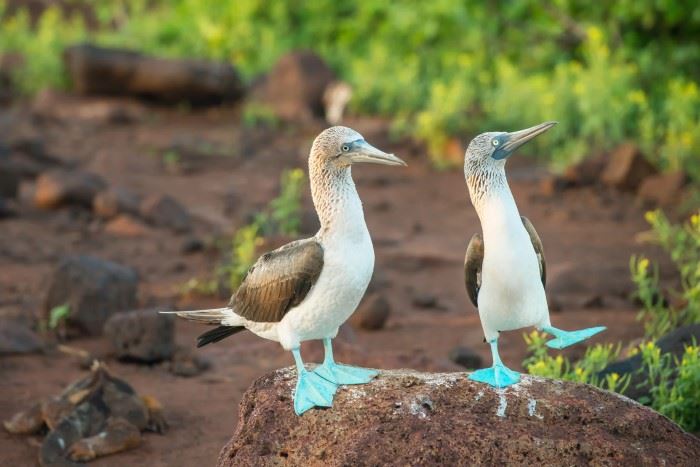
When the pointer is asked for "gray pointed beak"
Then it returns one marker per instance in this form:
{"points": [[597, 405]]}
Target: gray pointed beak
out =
{"points": [[512, 141], [362, 151]]}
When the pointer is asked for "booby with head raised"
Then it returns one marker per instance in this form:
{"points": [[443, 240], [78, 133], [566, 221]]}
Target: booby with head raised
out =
{"points": [[505, 270], [306, 289]]}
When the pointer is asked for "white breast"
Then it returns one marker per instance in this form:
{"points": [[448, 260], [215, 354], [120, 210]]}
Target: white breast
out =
{"points": [[512, 295]]}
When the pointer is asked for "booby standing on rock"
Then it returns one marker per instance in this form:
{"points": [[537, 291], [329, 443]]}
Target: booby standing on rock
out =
{"points": [[306, 289], [505, 272]]}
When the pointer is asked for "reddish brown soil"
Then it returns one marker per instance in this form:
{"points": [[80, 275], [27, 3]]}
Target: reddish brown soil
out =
{"points": [[420, 221]]}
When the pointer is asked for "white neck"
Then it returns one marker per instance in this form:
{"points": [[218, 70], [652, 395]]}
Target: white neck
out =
{"points": [[495, 206], [338, 205]]}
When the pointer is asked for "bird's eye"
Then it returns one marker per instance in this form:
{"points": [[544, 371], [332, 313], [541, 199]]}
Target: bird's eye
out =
{"points": [[495, 142], [345, 148]]}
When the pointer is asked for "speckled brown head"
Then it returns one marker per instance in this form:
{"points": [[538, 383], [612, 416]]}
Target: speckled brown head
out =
{"points": [[485, 158], [339, 147]]}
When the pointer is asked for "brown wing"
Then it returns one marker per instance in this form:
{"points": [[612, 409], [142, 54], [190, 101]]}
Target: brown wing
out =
{"points": [[472, 267], [537, 244], [278, 281]]}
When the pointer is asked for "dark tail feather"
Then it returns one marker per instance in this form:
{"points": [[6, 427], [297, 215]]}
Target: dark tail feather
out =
{"points": [[216, 334]]}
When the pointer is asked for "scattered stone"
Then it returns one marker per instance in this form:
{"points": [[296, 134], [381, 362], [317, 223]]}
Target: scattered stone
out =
{"points": [[93, 289], [593, 301], [113, 201], [125, 225], [425, 300], [105, 71], [295, 86], [409, 418], [17, 338], [55, 105], [673, 343], [9, 180], [192, 245], [663, 189], [95, 416], [59, 187], [165, 211], [141, 335], [626, 168], [551, 185], [187, 364], [6, 210], [466, 357], [585, 173], [372, 313]]}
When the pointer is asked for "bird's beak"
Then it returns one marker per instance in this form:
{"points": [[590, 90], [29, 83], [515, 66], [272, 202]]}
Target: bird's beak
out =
{"points": [[512, 141], [362, 151]]}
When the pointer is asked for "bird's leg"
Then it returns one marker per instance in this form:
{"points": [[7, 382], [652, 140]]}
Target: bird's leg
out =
{"points": [[311, 390], [498, 375], [566, 338], [342, 374]]}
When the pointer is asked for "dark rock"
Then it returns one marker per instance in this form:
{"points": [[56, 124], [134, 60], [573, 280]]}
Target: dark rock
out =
{"points": [[59, 187], [585, 173], [165, 211], [593, 301], [425, 300], [663, 189], [6, 209], [626, 168], [141, 335], [372, 313], [93, 289], [379, 281], [113, 201], [98, 70], [16, 338], [673, 343], [294, 87], [56, 105], [552, 185], [9, 181], [187, 364], [408, 418], [192, 245], [466, 357]]}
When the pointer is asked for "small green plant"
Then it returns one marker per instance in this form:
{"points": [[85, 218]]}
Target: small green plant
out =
{"points": [[673, 384], [585, 370], [171, 159], [58, 315], [682, 243], [281, 216], [256, 114]]}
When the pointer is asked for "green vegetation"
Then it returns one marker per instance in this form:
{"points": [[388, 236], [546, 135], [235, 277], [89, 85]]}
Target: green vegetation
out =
{"points": [[673, 383], [607, 71], [281, 216], [58, 315]]}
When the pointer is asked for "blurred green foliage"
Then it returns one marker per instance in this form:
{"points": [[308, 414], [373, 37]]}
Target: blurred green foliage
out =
{"points": [[662, 311], [607, 71]]}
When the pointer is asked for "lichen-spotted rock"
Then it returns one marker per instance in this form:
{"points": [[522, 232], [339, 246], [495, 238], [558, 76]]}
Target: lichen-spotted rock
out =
{"points": [[409, 418]]}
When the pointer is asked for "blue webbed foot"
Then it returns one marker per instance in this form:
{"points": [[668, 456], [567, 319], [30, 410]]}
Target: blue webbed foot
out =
{"points": [[312, 391], [564, 339], [498, 376], [345, 374]]}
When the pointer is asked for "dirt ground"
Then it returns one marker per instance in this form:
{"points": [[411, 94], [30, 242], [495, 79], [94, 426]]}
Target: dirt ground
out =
{"points": [[420, 221]]}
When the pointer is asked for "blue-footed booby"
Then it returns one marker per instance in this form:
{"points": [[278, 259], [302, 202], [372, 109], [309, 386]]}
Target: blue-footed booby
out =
{"points": [[505, 270], [306, 289]]}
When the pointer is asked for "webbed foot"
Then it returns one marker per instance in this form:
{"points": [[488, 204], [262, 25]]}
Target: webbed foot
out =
{"points": [[312, 391], [345, 374], [564, 339], [498, 376]]}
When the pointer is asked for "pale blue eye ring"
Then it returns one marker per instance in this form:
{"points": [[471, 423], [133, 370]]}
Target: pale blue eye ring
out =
{"points": [[494, 142]]}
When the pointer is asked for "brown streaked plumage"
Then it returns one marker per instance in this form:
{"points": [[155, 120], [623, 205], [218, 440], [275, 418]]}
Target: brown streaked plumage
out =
{"points": [[278, 281], [475, 258]]}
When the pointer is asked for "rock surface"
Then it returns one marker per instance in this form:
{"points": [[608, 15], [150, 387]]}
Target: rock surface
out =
{"points": [[165, 211], [372, 313], [409, 418], [141, 335], [627, 168], [17, 338], [59, 187], [94, 289]]}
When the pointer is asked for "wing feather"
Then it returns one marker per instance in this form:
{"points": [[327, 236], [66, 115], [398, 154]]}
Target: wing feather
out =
{"points": [[278, 281], [539, 249], [472, 267]]}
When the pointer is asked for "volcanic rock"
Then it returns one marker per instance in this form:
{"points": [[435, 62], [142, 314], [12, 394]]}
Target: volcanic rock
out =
{"points": [[372, 313], [93, 289], [114, 201], [466, 357], [626, 168], [662, 189], [17, 338], [59, 187], [408, 418], [142, 335], [165, 211]]}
